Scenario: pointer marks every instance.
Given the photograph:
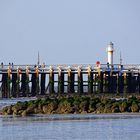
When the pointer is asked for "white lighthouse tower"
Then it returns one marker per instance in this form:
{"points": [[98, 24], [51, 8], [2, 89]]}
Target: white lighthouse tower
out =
{"points": [[110, 50]]}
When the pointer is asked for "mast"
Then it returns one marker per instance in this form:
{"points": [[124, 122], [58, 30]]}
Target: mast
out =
{"points": [[120, 58], [38, 61]]}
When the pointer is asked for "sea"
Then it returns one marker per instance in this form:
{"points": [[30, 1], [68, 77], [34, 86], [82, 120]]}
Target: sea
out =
{"points": [[125, 126]]}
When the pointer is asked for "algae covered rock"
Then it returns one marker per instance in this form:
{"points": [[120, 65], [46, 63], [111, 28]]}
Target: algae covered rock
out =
{"points": [[65, 107], [92, 106], [115, 108], [24, 113], [84, 106], [100, 108], [48, 109], [7, 110], [30, 108], [19, 106], [134, 107], [107, 108], [123, 107]]}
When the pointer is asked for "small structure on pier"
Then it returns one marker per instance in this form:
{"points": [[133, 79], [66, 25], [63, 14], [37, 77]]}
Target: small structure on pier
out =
{"points": [[110, 50]]}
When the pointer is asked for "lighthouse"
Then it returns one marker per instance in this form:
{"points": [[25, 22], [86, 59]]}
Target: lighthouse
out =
{"points": [[110, 50]]}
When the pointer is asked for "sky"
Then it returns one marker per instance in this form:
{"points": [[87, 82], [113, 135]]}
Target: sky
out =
{"points": [[69, 31]]}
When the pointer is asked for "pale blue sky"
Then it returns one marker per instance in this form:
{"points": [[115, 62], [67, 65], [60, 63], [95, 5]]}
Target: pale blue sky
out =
{"points": [[69, 31]]}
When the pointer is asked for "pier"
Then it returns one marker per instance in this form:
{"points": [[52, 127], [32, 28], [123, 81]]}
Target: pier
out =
{"points": [[33, 80]]}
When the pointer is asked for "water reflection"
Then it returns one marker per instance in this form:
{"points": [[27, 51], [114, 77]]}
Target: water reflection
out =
{"points": [[67, 127]]}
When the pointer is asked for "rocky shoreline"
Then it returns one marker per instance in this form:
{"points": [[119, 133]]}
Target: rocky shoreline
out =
{"points": [[73, 105]]}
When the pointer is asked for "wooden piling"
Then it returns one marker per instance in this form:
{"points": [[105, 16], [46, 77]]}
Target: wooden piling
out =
{"points": [[138, 82], [129, 82], [14, 84], [37, 81], [9, 82], [121, 83], [23, 85], [43, 83], [4, 85], [100, 82], [60, 81], [71, 77], [90, 80], [80, 80], [27, 91], [51, 81], [125, 84]]}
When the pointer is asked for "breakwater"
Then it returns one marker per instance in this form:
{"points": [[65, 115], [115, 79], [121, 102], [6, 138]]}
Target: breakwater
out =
{"points": [[73, 105], [33, 80]]}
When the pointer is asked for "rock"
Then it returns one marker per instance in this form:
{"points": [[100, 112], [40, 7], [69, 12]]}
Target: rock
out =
{"points": [[76, 109], [48, 109], [107, 108], [15, 114], [20, 112], [37, 111], [24, 113], [115, 109], [99, 108], [4, 110], [65, 107], [84, 106], [30, 108], [123, 107], [17, 107], [9, 110], [84, 112], [134, 107]]}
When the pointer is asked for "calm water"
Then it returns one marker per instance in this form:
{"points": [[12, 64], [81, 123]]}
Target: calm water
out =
{"points": [[68, 127]]}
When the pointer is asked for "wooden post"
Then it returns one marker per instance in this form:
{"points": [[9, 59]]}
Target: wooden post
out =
{"points": [[113, 83], [129, 82], [70, 81], [117, 83], [4, 85], [37, 80], [125, 83], [23, 84], [18, 82], [60, 81], [34, 85], [121, 83], [43, 81], [27, 82], [14, 84], [104, 82], [138, 82], [90, 80], [80, 81], [51, 81], [134, 83], [9, 81], [100, 82], [107, 82]]}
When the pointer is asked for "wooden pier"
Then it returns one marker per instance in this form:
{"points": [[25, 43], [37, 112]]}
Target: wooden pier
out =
{"points": [[32, 80]]}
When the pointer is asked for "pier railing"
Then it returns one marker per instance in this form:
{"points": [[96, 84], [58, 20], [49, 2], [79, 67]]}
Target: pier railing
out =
{"points": [[74, 67]]}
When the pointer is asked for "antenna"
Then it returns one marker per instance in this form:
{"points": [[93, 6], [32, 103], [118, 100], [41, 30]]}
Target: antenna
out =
{"points": [[120, 58], [38, 61]]}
